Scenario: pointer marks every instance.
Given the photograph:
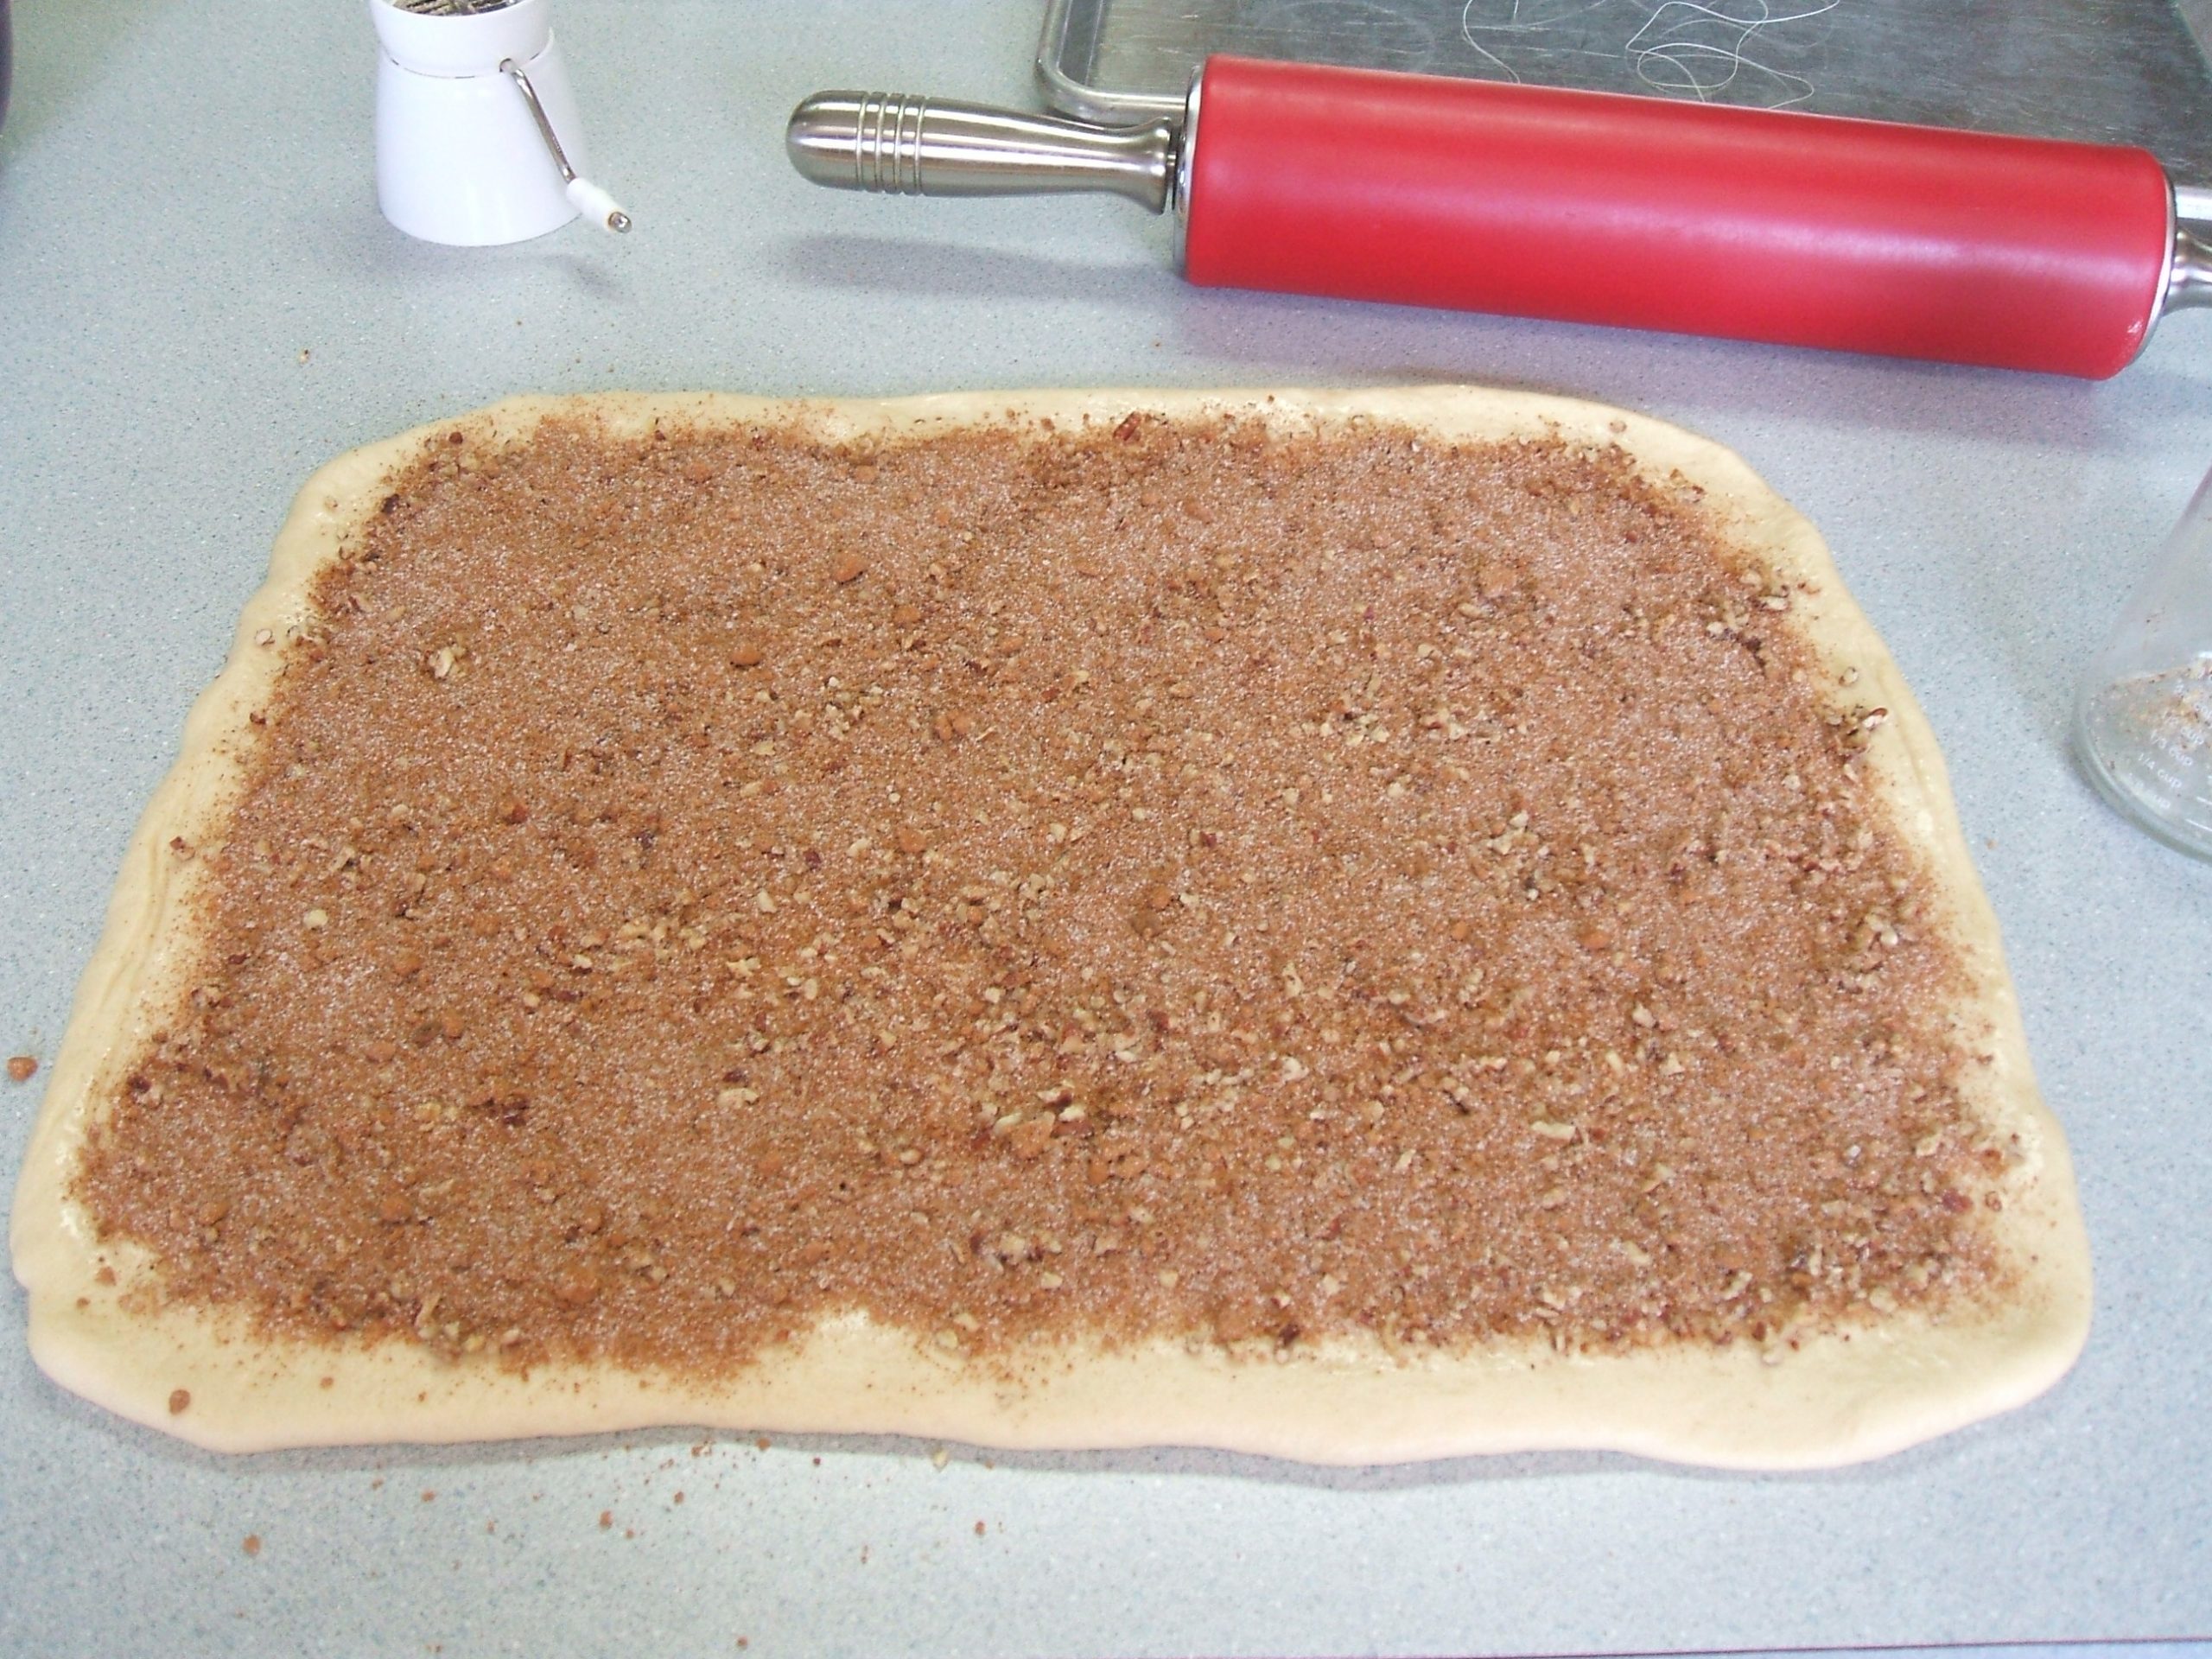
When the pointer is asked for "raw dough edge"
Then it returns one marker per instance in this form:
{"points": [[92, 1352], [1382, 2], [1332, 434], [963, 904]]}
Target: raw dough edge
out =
{"points": [[1837, 1400]]}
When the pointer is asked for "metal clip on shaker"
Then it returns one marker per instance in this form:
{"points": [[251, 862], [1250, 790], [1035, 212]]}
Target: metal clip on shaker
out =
{"points": [[1851, 235], [583, 195]]}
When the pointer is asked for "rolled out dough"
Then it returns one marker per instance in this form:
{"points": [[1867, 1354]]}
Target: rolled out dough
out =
{"points": [[1841, 1398]]}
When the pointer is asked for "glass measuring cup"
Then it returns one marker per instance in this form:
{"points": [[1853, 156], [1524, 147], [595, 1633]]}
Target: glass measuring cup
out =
{"points": [[2143, 726]]}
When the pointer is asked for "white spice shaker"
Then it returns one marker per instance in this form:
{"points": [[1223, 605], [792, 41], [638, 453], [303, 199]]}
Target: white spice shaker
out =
{"points": [[478, 138]]}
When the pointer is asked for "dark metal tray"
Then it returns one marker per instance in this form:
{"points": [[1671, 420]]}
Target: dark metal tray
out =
{"points": [[2110, 70]]}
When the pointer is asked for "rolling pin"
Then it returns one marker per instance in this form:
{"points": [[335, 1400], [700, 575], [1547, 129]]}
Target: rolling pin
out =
{"points": [[1640, 213]]}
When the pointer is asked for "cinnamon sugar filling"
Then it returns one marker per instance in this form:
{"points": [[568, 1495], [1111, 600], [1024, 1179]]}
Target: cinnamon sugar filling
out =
{"points": [[1162, 879]]}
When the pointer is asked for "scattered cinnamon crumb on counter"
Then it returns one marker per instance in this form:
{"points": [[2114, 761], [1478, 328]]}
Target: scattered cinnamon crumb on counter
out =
{"points": [[1204, 881], [22, 1068], [179, 1401], [253, 1545]]}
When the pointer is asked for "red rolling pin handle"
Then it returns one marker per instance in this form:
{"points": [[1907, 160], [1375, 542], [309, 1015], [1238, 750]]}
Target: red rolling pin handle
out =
{"points": [[1803, 229]]}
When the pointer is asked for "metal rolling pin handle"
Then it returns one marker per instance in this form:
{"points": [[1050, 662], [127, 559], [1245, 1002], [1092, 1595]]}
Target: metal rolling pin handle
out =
{"points": [[894, 144], [2189, 272], [1819, 231], [585, 196]]}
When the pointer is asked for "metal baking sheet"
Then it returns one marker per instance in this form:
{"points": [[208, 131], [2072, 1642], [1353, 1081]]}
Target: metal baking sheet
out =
{"points": [[2109, 71]]}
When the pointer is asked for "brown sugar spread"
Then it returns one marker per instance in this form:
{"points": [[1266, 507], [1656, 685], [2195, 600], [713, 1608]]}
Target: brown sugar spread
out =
{"points": [[1154, 880]]}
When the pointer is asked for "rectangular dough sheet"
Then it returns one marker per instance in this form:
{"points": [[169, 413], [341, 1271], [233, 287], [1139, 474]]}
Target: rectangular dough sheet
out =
{"points": [[1836, 1398]]}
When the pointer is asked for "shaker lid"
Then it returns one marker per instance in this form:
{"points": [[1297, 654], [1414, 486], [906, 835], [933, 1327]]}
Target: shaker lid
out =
{"points": [[459, 38]]}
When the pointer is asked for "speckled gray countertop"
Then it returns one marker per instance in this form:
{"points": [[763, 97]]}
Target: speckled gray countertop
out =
{"points": [[199, 303]]}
